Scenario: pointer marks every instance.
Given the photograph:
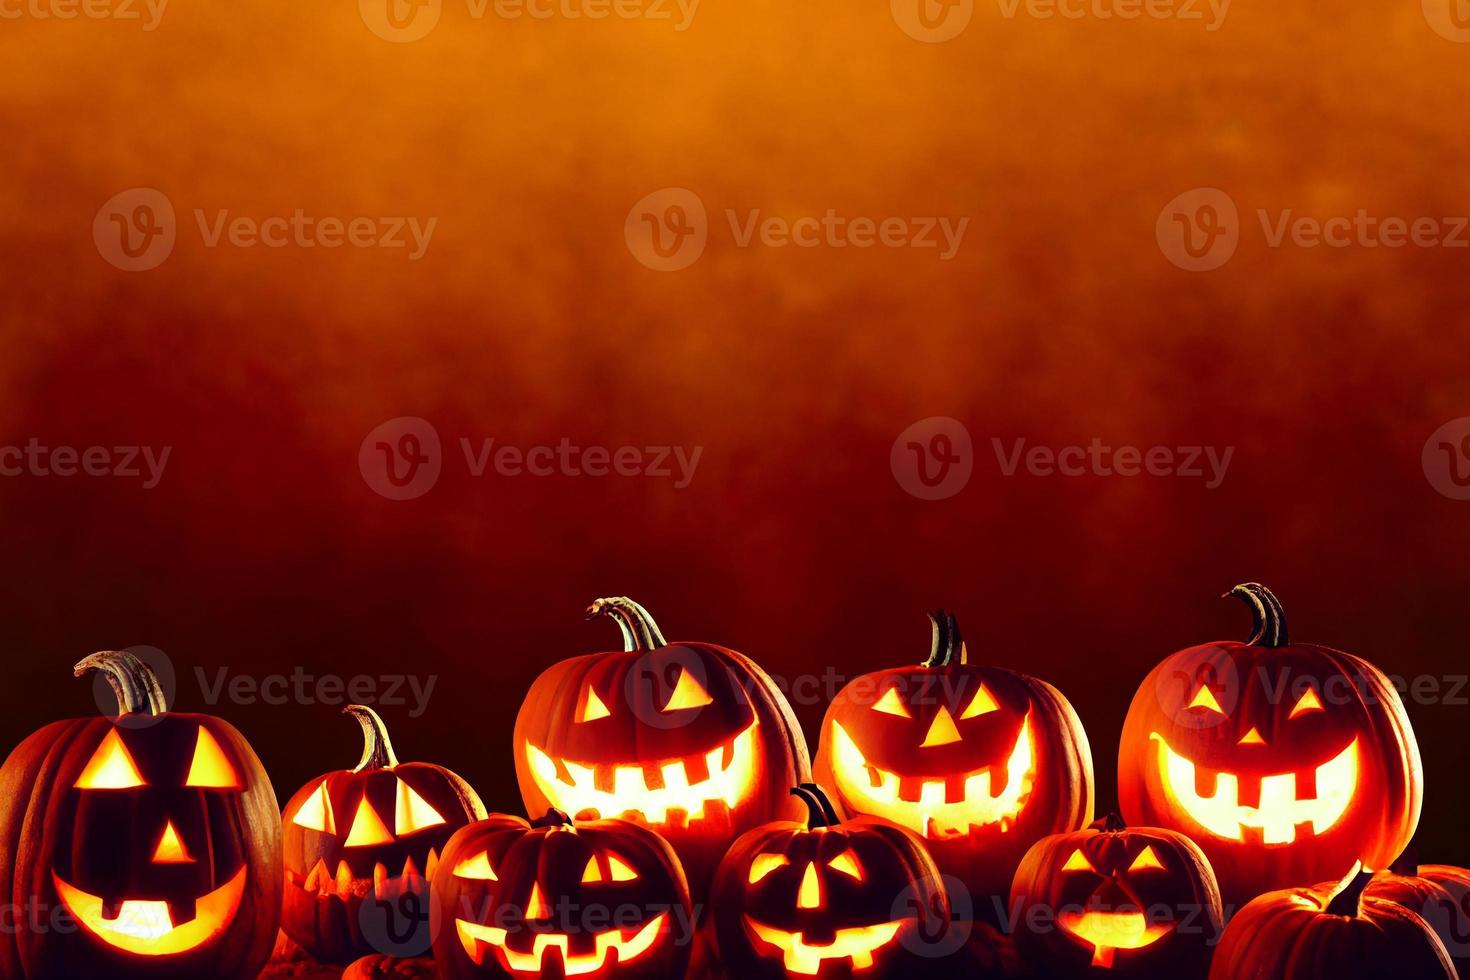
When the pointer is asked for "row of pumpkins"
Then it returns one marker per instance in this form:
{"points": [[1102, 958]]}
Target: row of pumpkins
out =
{"points": [[671, 784]]}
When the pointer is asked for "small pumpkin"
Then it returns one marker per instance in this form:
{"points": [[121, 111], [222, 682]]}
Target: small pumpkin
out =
{"points": [[690, 739], [605, 899], [1438, 893], [380, 967], [980, 761], [154, 835], [855, 898], [1285, 762], [1331, 932], [1131, 901], [361, 845]]}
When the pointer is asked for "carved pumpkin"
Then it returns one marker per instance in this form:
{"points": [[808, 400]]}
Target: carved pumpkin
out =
{"points": [[361, 845], [690, 739], [979, 761], [558, 898], [1332, 932], [1285, 762], [149, 844], [1131, 901], [1437, 893], [855, 898]]}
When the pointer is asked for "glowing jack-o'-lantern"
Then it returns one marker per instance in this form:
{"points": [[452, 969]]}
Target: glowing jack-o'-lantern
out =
{"points": [[369, 836], [859, 898], [154, 834], [690, 739], [1133, 901], [556, 898], [1285, 762], [1330, 932], [981, 762]]}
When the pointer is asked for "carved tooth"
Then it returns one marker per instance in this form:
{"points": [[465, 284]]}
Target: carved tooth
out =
{"points": [[1206, 781], [875, 776], [696, 769], [1306, 784], [344, 879], [182, 911], [727, 757], [380, 880], [432, 864], [1000, 778], [1248, 791], [111, 908], [954, 789], [605, 777], [410, 871], [910, 788], [317, 877], [653, 776]]}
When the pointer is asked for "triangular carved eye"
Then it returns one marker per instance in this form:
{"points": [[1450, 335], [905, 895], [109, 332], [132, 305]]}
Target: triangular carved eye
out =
{"points": [[765, 864], [891, 704], [367, 827], [1308, 703], [619, 870], [316, 812], [592, 708], [1205, 698], [688, 693], [111, 767], [414, 812], [1147, 860], [847, 864], [211, 769], [1078, 862], [476, 868]]}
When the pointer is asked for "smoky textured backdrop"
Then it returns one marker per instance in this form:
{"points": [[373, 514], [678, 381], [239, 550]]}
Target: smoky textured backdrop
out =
{"points": [[533, 314]]}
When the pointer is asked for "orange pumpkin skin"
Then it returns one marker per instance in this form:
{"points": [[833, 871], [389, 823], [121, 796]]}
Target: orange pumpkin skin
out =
{"points": [[513, 900], [379, 967], [1437, 893], [1071, 889], [1314, 744], [616, 721], [791, 898], [332, 889], [931, 740], [144, 773], [1333, 932]]}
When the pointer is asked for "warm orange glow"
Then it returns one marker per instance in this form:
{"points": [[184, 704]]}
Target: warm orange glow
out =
{"points": [[1278, 813], [982, 704], [942, 731], [1108, 932], [810, 896], [765, 864], [211, 769], [475, 937], [856, 944], [146, 928], [731, 778], [111, 767], [1252, 737], [592, 874], [1205, 698], [1147, 860], [316, 812], [688, 693], [847, 864], [891, 704], [876, 791], [1078, 862], [170, 849], [413, 812], [1309, 702], [367, 827], [593, 708], [619, 870], [536, 907], [476, 868]]}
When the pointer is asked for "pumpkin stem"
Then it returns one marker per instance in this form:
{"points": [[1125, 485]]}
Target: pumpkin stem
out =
{"points": [[133, 682], [819, 809], [377, 747], [553, 818], [640, 632], [1268, 619], [1113, 823], [1406, 864], [948, 645], [1347, 899]]}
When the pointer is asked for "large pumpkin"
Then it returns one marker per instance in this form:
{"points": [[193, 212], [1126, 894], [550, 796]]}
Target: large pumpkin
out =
{"points": [[1134, 901], [855, 898], [142, 845], [1286, 763], [1437, 893], [361, 845], [981, 762], [1331, 932], [690, 739], [557, 898]]}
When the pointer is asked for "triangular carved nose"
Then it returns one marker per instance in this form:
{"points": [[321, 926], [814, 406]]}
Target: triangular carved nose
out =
{"points": [[1252, 737], [943, 731]]}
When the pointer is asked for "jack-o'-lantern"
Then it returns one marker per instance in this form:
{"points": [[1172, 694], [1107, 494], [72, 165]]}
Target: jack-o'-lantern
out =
{"points": [[559, 898], [1330, 932], [142, 845], [371, 836], [690, 739], [856, 898], [1116, 901], [1285, 762], [1438, 893], [981, 762]]}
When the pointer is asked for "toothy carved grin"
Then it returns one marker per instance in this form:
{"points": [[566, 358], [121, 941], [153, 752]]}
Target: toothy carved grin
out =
{"points": [[939, 808], [856, 944], [629, 944], [1317, 797], [655, 791], [1108, 932], [147, 928], [320, 882]]}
